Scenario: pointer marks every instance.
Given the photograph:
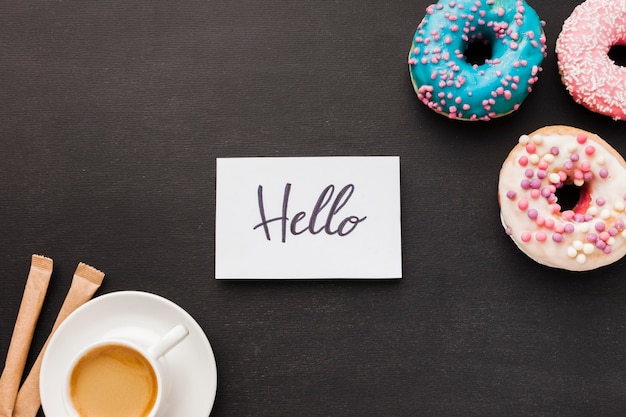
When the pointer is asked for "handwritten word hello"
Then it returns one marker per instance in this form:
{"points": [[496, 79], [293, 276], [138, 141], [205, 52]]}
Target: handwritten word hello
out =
{"points": [[297, 224]]}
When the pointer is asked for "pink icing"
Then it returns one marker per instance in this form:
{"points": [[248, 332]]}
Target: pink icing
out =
{"points": [[582, 47]]}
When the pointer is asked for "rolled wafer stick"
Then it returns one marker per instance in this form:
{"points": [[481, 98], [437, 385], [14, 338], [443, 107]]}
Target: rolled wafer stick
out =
{"points": [[86, 281], [30, 308]]}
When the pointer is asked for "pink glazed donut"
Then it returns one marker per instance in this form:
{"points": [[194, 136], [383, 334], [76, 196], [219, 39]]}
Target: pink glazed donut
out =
{"points": [[582, 48], [589, 231]]}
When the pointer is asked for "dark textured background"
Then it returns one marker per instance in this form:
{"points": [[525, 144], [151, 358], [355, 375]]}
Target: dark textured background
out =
{"points": [[112, 114]]}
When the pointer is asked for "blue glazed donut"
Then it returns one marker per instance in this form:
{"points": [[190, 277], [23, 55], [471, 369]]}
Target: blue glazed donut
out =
{"points": [[511, 34]]}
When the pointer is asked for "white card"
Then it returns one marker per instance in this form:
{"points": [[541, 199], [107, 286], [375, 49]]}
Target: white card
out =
{"points": [[308, 218]]}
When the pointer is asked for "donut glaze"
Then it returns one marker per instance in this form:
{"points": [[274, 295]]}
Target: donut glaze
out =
{"points": [[589, 235], [590, 76], [448, 84]]}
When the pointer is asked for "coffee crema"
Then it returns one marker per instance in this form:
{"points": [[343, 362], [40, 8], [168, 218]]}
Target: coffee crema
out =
{"points": [[113, 380]]}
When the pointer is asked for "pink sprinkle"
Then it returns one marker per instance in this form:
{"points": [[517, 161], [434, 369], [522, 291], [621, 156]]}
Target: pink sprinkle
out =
{"points": [[534, 193], [513, 45], [590, 150], [540, 236], [568, 215], [540, 221], [522, 204], [507, 94], [604, 173], [549, 223], [523, 161], [531, 148], [555, 208], [585, 166], [581, 138], [559, 228], [557, 237], [605, 236], [526, 236]]}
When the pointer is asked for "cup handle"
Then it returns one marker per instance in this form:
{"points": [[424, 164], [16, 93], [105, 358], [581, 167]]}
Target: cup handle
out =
{"points": [[167, 342]]}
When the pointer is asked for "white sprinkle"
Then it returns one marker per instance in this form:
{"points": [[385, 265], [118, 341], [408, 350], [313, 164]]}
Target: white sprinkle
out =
{"points": [[581, 258], [572, 252], [554, 178], [605, 214], [577, 244], [588, 248]]}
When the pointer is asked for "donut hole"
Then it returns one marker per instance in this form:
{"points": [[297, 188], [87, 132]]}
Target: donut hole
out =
{"points": [[568, 196], [478, 49], [617, 54]]}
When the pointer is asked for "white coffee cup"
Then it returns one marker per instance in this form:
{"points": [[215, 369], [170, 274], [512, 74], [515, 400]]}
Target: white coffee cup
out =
{"points": [[119, 377]]}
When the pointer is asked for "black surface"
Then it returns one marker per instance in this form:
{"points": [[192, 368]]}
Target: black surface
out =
{"points": [[112, 114]]}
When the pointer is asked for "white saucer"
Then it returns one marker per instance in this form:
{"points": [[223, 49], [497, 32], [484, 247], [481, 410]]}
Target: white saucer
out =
{"points": [[129, 314]]}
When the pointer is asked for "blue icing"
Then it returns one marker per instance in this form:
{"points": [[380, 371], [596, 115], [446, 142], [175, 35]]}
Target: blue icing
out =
{"points": [[448, 84]]}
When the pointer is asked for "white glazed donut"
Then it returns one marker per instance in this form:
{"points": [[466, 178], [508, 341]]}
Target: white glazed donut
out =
{"points": [[589, 235]]}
